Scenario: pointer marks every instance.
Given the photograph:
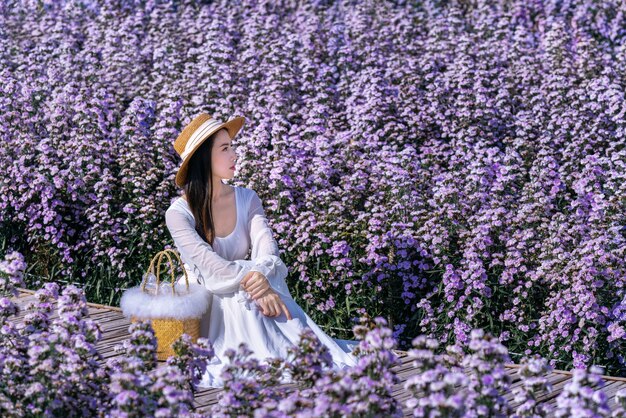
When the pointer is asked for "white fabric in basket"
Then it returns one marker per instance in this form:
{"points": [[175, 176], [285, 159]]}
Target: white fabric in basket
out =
{"points": [[183, 305]]}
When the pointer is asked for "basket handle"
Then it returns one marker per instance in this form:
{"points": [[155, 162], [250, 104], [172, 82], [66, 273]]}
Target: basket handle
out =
{"points": [[180, 262], [158, 257]]}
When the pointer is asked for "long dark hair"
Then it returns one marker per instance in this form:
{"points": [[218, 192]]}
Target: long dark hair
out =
{"points": [[199, 189]]}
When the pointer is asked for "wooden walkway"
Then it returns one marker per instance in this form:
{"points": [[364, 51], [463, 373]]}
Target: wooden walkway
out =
{"points": [[115, 329]]}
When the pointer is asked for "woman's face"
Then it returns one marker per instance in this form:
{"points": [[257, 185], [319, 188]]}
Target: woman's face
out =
{"points": [[223, 156]]}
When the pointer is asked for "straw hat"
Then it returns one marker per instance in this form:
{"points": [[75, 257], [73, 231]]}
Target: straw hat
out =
{"points": [[195, 133]]}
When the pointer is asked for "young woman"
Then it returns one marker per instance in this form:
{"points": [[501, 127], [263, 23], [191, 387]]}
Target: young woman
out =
{"points": [[215, 227]]}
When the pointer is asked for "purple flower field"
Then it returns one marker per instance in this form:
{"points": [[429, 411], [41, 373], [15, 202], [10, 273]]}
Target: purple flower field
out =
{"points": [[51, 367], [447, 165]]}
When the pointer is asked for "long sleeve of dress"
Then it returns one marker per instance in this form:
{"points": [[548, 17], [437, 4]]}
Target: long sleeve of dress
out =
{"points": [[219, 275], [265, 251]]}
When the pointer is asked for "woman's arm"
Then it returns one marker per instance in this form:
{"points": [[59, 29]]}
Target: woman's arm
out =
{"points": [[219, 275], [265, 250], [265, 253]]}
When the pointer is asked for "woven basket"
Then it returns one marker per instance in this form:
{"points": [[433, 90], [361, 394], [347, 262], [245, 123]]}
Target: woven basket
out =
{"points": [[168, 330]]}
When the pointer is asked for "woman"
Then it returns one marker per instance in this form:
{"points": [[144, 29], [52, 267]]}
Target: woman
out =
{"points": [[215, 227]]}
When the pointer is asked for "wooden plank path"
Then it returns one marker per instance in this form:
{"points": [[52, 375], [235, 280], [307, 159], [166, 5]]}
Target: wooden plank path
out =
{"points": [[115, 329]]}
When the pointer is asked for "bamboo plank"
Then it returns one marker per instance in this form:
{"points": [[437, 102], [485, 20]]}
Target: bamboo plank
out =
{"points": [[550, 398], [610, 389]]}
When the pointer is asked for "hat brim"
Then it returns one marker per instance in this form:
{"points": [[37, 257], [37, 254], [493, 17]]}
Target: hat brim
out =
{"points": [[232, 126]]}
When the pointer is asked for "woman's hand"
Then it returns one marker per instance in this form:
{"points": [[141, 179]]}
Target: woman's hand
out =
{"points": [[272, 305], [256, 284]]}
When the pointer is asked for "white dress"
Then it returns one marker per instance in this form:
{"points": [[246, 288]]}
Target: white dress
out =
{"points": [[233, 317]]}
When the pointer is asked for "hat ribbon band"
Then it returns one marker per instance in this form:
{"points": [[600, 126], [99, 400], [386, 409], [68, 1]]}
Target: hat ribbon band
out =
{"points": [[198, 135]]}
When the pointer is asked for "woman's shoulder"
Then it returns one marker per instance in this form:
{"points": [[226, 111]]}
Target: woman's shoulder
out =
{"points": [[250, 198], [247, 191], [179, 204]]}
